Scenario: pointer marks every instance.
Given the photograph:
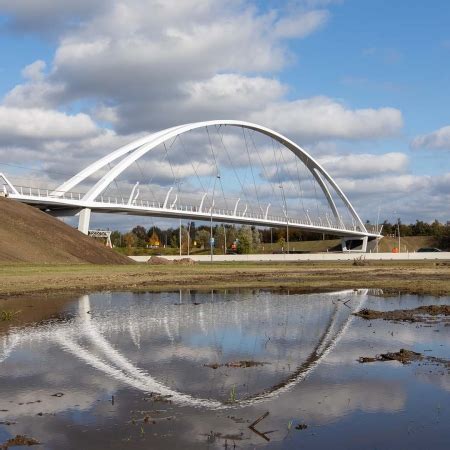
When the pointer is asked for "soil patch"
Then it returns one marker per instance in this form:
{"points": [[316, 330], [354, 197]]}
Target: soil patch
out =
{"points": [[158, 261], [237, 364], [404, 356], [19, 440], [420, 314]]}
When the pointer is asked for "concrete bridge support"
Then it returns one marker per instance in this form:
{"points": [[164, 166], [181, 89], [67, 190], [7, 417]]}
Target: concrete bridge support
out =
{"points": [[84, 219], [355, 244]]}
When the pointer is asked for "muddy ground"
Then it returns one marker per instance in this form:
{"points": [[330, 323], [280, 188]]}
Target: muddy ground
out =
{"points": [[424, 277], [420, 314]]}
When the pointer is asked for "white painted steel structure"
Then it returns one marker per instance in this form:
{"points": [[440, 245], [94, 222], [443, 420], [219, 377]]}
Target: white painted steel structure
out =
{"points": [[64, 201]]}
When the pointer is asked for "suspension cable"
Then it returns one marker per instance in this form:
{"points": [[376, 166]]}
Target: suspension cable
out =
{"points": [[251, 168]]}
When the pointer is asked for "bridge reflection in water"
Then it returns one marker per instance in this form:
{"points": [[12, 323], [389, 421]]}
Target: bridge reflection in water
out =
{"points": [[160, 342]]}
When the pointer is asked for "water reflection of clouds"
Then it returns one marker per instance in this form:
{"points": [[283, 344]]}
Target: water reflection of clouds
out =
{"points": [[155, 337], [99, 338]]}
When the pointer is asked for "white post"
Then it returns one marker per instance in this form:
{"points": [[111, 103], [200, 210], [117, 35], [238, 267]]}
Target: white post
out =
{"points": [[189, 238], [167, 197], [235, 206], [201, 203], [131, 198], [225, 240], [84, 219], [180, 237]]}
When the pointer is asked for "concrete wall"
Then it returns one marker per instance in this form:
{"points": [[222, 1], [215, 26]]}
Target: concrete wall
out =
{"points": [[311, 257]]}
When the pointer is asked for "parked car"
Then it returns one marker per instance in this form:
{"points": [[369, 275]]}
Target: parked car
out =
{"points": [[428, 249]]}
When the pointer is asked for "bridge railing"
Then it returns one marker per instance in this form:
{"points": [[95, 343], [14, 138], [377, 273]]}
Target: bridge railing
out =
{"points": [[27, 191]]}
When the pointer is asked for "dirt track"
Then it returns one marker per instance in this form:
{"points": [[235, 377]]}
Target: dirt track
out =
{"points": [[407, 277]]}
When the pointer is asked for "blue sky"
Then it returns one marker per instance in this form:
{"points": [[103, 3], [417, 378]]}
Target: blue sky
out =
{"points": [[341, 78]]}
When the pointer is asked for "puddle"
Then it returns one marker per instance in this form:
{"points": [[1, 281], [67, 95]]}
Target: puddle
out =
{"points": [[234, 369]]}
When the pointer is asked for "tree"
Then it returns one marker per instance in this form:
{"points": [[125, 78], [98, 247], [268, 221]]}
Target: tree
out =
{"points": [[256, 238], [116, 239], [141, 235], [219, 237], [202, 236], [245, 237], [129, 239], [154, 240], [444, 239]]}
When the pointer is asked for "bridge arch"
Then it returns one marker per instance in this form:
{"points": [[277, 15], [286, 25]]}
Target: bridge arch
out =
{"points": [[138, 148]]}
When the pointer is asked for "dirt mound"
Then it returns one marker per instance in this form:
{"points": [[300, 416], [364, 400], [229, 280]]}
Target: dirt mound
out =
{"points": [[158, 261], [32, 236], [185, 261]]}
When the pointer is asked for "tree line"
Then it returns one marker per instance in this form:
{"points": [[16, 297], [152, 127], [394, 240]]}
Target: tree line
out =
{"points": [[247, 239], [436, 229], [241, 239]]}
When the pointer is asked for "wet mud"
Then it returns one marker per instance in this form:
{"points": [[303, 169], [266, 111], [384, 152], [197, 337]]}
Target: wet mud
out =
{"points": [[19, 440], [404, 356], [237, 364], [419, 314]]}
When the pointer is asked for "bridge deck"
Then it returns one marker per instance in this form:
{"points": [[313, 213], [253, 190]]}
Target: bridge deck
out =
{"points": [[71, 203]]}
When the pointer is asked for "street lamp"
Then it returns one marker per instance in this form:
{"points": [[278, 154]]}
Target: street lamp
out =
{"points": [[286, 215], [211, 239]]}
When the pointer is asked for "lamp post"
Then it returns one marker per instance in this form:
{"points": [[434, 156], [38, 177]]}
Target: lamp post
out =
{"points": [[224, 240], [180, 236], [211, 239], [286, 215], [189, 238]]}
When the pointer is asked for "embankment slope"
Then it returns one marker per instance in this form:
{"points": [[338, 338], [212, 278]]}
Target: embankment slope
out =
{"points": [[28, 235]]}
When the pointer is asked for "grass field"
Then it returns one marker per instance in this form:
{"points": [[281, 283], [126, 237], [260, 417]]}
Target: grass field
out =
{"points": [[424, 277]]}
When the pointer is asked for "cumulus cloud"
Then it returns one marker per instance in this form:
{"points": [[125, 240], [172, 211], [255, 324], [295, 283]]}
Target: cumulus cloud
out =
{"points": [[47, 16], [364, 165], [301, 24], [151, 63], [36, 124], [324, 118], [436, 140]]}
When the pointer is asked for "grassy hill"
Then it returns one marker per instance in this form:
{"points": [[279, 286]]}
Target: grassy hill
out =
{"points": [[31, 236]]}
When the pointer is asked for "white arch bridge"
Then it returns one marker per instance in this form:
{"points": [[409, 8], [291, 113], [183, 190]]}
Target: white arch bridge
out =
{"points": [[225, 171]]}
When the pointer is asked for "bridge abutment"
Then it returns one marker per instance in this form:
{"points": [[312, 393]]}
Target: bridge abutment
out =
{"points": [[354, 244]]}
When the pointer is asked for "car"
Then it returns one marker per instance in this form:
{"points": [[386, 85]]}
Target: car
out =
{"points": [[428, 249]]}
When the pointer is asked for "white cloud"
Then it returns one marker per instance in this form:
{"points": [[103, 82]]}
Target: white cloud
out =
{"points": [[320, 118], [364, 165], [34, 71], [301, 24], [189, 58], [436, 140], [38, 124]]}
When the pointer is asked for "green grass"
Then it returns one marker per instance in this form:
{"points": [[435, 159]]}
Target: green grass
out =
{"points": [[6, 316]]}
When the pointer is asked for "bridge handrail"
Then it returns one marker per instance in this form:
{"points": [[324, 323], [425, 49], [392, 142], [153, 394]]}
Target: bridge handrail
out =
{"points": [[28, 191]]}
